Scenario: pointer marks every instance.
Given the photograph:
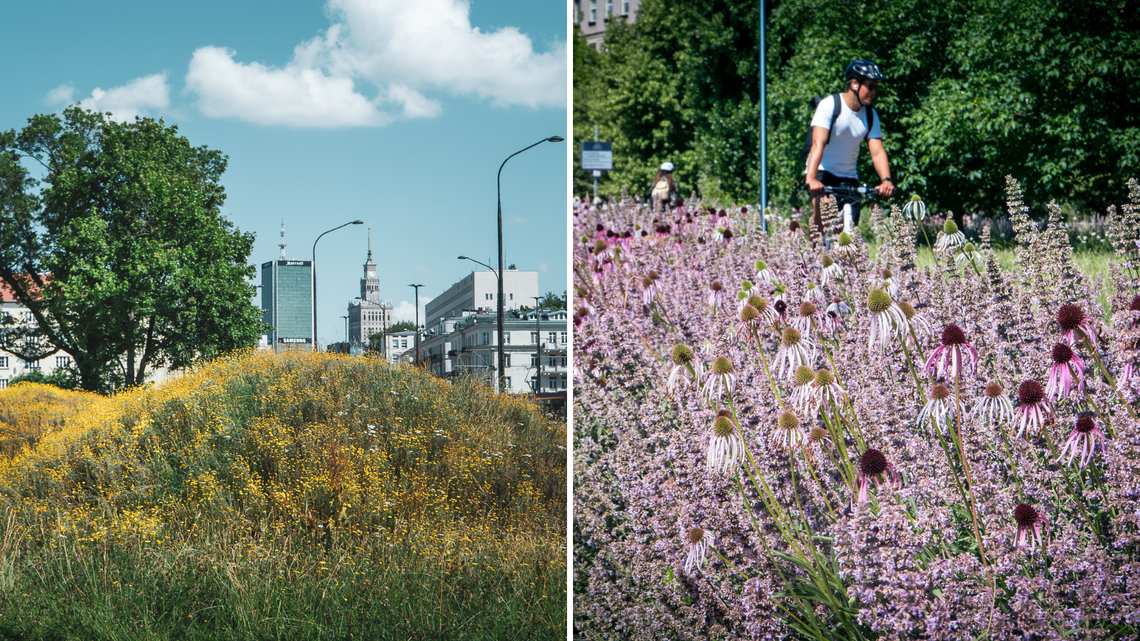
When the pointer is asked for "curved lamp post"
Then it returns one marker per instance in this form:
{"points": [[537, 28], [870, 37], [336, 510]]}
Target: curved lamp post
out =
{"points": [[499, 196], [316, 343], [417, 287], [497, 279]]}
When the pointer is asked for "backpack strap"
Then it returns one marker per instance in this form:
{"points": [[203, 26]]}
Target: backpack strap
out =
{"points": [[870, 122], [834, 114]]}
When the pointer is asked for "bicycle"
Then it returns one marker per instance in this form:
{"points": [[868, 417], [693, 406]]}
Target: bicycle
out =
{"points": [[850, 196]]}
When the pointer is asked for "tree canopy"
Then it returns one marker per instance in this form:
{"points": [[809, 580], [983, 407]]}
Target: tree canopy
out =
{"points": [[1045, 90], [120, 251]]}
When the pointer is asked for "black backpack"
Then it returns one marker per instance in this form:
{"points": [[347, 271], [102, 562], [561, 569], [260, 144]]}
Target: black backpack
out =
{"points": [[835, 98]]}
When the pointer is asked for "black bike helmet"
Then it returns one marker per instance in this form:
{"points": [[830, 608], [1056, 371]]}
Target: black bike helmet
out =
{"points": [[861, 69]]}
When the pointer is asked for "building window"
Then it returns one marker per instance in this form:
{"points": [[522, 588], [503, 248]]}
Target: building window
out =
{"points": [[506, 360], [550, 361], [563, 338], [3, 362], [403, 343], [507, 380], [624, 12], [552, 337], [534, 360], [3, 383], [534, 383], [510, 296], [534, 337], [506, 338], [486, 337], [563, 361], [488, 296], [62, 361], [609, 8], [562, 383], [29, 317], [32, 364], [593, 11]]}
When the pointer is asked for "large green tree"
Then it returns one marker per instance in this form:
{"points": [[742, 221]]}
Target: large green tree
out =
{"points": [[120, 250], [1045, 90]]}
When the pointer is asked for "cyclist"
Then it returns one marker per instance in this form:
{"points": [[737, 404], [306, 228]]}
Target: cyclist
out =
{"points": [[664, 188], [832, 162]]}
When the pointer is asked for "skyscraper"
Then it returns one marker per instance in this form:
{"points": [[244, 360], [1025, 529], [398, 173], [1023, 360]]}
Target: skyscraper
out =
{"points": [[287, 298], [368, 314]]}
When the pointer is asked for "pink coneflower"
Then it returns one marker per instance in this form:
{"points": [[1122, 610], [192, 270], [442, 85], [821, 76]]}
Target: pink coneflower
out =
{"points": [[794, 231], [938, 408], [815, 294], [765, 275], [725, 444], [1030, 522], [781, 309], [750, 320], [721, 379], [789, 433], [686, 368], [825, 391], [953, 357], [885, 279], [887, 320], [832, 271], [874, 465], [1066, 363], [768, 315], [716, 295], [1033, 407], [1075, 325], [817, 439], [1083, 438], [795, 350], [994, 406], [649, 288], [916, 321], [807, 315], [699, 541], [801, 389]]}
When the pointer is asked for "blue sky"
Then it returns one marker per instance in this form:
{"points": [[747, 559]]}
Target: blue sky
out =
{"points": [[392, 112]]}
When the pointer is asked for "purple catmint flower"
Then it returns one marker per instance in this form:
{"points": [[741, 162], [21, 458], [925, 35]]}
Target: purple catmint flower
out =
{"points": [[1066, 365], [1075, 325], [1033, 407], [873, 465], [1083, 438], [993, 406], [953, 357], [698, 540], [1030, 522]]}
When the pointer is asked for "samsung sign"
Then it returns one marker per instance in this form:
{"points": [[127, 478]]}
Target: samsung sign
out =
{"points": [[293, 340]]}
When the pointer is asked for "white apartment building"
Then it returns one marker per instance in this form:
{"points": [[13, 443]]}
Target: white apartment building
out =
{"points": [[11, 365], [468, 342], [398, 345], [479, 291]]}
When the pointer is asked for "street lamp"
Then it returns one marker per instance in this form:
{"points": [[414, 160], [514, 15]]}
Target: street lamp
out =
{"points": [[496, 278], [417, 288], [499, 197], [538, 346], [345, 333], [316, 343]]}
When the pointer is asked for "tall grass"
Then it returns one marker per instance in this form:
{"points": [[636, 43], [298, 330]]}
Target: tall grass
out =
{"points": [[289, 496]]}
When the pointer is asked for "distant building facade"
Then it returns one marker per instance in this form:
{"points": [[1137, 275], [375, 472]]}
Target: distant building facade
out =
{"points": [[11, 365], [479, 291], [368, 314], [468, 342], [399, 347], [594, 15], [287, 300]]}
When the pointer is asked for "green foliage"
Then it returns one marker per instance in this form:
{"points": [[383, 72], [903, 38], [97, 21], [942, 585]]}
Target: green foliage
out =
{"points": [[1043, 90], [550, 302], [120, 251], [61, 377], [376, 341]]}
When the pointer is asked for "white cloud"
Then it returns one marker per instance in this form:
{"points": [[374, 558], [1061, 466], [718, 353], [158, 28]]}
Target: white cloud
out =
{"points": [[406, 310], [392, 50], [135, 98]]}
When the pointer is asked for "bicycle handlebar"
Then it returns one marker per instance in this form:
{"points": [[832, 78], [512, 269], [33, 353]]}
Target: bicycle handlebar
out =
{"points": [[862, 190]]}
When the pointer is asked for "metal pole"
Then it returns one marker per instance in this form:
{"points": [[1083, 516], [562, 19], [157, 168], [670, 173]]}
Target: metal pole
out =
{"points": [[499, 198], [763, 124], [313, 271], [594, 172], [538, 346], [417, 288]]}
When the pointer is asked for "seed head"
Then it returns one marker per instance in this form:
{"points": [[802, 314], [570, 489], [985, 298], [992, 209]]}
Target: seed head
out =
{"points": [[804, 375], [907, 309], [600, 246], [746, 285], [1085, 424], [727, 234], [1030, 393], [1069, 317], [716, 286], [781, 307], [994, 390], [653, 275], [682, 354], [950, 227], [940, 392], [915, 198], [759, 303], [824, 377], [807, 308], [1062, 353], [741, 295], [953, 335], [878, 301], [748, 313], [827, 261], [721, 366], [761, 265], [888, 274], [794, 225], [646, 282], [791, 337], [844, 239], [817, 434], [1025, 515], [969, 248], [696, 535], [722, 424], [789, 421], [872, 463]]}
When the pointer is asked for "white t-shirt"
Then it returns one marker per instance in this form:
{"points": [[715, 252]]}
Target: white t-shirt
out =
{"points": [[840, 154]]}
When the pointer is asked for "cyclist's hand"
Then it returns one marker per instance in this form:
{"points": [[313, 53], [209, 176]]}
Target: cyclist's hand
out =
{"points": [[814, 186], [886, 188]]}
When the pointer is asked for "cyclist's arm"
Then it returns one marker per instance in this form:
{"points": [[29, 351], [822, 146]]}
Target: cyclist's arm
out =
{"points": [[818, 142], [882, 165]]}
